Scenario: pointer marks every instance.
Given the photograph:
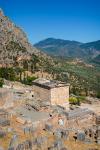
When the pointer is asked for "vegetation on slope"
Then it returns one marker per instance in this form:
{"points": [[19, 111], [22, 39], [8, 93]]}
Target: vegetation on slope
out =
{"points": [[17, 56]]}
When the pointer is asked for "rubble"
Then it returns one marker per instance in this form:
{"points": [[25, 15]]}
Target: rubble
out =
{"points": [[87, 141], [41, 142], [4, 122], [2, 134], [61, 134], [48, 127], [41, 125], [98, 120], [78, 113], [81, 136], [57, 145]]}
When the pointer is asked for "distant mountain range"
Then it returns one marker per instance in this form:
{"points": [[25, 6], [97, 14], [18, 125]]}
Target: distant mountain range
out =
{"points": [[67, 48]]}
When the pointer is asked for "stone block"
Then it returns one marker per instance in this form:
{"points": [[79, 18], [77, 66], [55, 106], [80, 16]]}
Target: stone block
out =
{"points": [[58, 144], [2, 134], [48, 127], [10, 148], [64, 148], [87, 141], [41, 142], [58, 134], [20, 147], [98, 140], [81, 136], [65, 134]]}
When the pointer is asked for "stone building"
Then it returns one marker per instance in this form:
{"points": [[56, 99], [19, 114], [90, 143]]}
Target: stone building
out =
{"points": [[53, 92]]}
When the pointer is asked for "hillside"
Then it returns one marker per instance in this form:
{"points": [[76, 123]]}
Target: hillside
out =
{"points": [[93, 45], [78, 64], [14, 45], [96, 60], [19, 59], [66, 48]]}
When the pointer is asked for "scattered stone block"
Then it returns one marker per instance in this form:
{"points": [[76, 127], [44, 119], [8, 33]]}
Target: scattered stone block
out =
{"points": [[4, 122], [64, 148], [14, 141], [81, 136], [58, 134], [28, 144], [48, 127], [93, 149], [20, 147], [98, 120], [98, 131], [51, 148], [2, 134], [61, 133], [98, 140], [41, 142], [61, 122], [87, 141], [58, 144], [65, 134], [10, 148]]}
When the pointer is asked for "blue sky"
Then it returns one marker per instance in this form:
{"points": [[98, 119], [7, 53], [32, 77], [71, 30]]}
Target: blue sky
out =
{"points": [[66, 19]]}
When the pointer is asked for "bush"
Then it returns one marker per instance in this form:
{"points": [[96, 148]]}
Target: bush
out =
{"points": [[73, 100], [98, 95], [8, 73], [81, 98], [29, 80], [1, 82]]}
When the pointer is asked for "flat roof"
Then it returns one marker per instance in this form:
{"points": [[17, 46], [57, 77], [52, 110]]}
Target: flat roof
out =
{"points": [[49, 84]]}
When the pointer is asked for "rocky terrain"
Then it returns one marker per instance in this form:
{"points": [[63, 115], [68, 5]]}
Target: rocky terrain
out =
{"points": [[14, 45], [35, 125]]}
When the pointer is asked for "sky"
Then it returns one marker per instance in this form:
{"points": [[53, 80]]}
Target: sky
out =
{"points": [[77, 20]]}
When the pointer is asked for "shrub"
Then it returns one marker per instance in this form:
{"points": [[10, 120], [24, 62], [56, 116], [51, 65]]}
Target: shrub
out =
{"points": [[73, 100], [81, 98], [29, 80], [98, 95], [1, 82]]}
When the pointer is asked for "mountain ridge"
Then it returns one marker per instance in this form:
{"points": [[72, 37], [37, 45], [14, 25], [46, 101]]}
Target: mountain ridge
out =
{"points": [[67, 48]]}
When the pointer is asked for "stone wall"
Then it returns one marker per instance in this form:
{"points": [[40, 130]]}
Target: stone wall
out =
{"points": [[56, 96], [60, 95], [42, 94]]}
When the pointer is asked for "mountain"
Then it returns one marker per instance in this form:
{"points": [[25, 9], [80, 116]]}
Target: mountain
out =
{"points": [[14, 45], [96, 59], [92, 45], [66, 48]]}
